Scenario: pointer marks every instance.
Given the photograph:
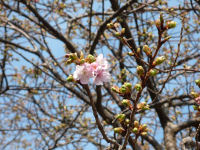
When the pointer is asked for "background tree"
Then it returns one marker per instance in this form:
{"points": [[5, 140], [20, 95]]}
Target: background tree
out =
{"points": [[40, 109]]}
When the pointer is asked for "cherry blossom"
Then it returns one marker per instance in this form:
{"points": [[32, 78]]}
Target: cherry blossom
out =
{"points": [[97, 70], [83, 73]]}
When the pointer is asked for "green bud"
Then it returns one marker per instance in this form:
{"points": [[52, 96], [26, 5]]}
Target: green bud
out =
{"points": [[118, 34], [120, 117], [158, 23], [73, 56], [147, 50], [69, 61], [110, 25], [115, 89], [70, 78], [119, 130], [135, 130], [140, 70], [159, 60], [144, 133], [195, 107], [144, 126], [125, 102], [123, 31], [153, 72], [127, 121], [197, 82], [130, 53], [138, 87], [194, 94], [128, 85], [136, 123], [170, 24], [90, 58], [123, 90]]}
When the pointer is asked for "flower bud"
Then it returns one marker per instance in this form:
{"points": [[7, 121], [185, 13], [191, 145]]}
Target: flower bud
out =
{"points": [[195, 107], [170, 24], [138, 87], [136, 123], [123, 31], [125, 102], [73, 56], [126, 88], [123, 90], [147, 50], [140, 70], [119, 130], [128, 85], [69, 61], [120, 117], [70, 78], [194, 94], [144, 133], [110, 25], [197, 82], [153, 72], [158, 23], [90, 58], [117, 34], [135, 130], [144, 126], [130, 53], [115, 89], [127, 121], [159, 60]]}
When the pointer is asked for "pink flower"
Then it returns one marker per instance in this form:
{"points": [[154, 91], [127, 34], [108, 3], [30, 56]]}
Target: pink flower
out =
{"points": [[101, 75], [197, 100], [97, 70], [83, 73], [100, 70]]}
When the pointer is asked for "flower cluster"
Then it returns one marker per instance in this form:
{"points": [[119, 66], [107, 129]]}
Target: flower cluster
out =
{"points": [[99, 70]]}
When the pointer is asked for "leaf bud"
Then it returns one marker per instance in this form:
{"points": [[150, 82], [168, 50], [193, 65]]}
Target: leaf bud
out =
{"points": [[197, 82], [115, 89], [140, 70], [135, 130], [117, 34], [119, 130], [136, 123], [158, 23], [70, 78], [125, 102], [123, 90], [90, 58], [147, 50], [195, 107], [144, 133], [153, 72], [138, 87], [130, 53], [144, 126], [194, 94], [170, 24], [159, 60], [127, 121], [120, 117], [128, 85], [110, 25], [123, 31]]}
